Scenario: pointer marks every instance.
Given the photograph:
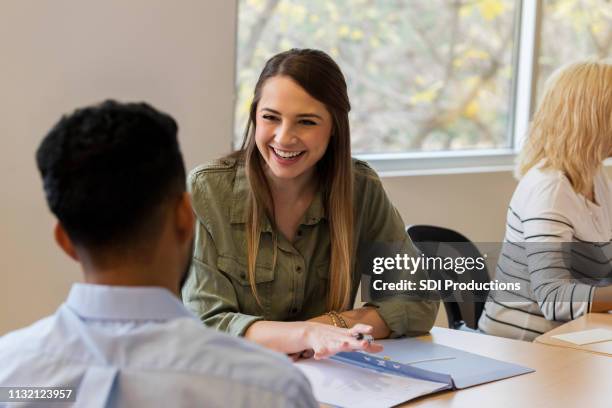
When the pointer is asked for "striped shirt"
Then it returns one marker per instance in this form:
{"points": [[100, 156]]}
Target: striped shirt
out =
{"points": [[557, 245]]}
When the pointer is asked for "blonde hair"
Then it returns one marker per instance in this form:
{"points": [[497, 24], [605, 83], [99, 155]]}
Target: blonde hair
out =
{"points": [[321, 77], [571, 130]]}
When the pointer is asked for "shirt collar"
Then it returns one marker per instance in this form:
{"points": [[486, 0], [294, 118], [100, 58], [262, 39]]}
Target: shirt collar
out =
{"points": [[316, 210], [238, 210], [125, 303]]}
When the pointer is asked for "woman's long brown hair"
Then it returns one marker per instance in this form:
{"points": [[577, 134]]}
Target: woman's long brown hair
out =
{"points": [[322, 79]]}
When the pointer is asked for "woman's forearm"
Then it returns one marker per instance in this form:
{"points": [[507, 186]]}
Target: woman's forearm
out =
{"points": [[284, 337], [370, 316], [321, 340]]}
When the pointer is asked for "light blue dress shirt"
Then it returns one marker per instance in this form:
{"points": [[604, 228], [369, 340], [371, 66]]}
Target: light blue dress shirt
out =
{"points": [[139, 347]]}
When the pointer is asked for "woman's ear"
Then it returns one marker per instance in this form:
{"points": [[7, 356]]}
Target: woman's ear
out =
{"points": [[185, 218], [64, 242]]}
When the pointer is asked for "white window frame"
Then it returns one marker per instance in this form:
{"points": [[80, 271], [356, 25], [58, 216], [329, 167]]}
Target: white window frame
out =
{"points": [[522, 104], [482, 160]]}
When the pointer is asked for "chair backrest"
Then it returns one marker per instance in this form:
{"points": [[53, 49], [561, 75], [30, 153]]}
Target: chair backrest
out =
{"points": [[462, 307]]}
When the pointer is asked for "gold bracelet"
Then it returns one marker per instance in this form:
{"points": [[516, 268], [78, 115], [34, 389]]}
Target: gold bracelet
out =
{"points": [[333, 318], [342, 321], [337, 320]]}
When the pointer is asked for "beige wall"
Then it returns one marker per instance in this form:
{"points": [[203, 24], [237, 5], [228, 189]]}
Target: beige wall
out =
{"points": [[56, 55], [473, 204], [180, 57]]}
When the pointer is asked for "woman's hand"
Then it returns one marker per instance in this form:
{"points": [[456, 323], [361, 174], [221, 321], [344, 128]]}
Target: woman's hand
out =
{"points": [[367, 315], [325, 340], [310, 338]]}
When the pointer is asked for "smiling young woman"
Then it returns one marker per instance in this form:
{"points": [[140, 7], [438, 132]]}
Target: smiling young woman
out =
{"points": [[280, 221]]}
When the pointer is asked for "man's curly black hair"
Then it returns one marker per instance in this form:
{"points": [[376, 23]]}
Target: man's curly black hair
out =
{"points": [[107, 169]]}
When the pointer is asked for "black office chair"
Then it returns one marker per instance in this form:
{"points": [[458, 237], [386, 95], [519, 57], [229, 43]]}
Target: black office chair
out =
{"points": [[463, 308]]}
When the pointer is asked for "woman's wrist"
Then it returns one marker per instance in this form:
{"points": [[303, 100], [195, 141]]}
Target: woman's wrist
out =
{"points": [[307, 329], [284, 337], [336, 319], [323, 319]]}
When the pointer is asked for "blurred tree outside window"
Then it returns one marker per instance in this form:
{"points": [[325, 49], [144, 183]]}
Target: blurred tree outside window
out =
{"points": [[572, 30], [423, 75]]}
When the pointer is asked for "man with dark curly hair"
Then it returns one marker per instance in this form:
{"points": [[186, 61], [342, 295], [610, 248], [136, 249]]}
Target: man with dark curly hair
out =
{"points": [[114, 178]]}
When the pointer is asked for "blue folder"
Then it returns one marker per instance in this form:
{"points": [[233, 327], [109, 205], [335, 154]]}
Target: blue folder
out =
{"points": [[457, 368]]}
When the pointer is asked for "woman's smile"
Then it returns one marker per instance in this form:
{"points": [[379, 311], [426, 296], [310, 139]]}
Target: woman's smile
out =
{"points": [[287, 157]]}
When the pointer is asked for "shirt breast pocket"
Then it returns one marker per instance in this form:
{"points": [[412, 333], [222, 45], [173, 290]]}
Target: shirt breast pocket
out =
{"points": [[237, 272]]}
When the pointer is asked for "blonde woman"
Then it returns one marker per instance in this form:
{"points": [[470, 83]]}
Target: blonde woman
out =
{"points": [[558, 241], [280, 220]]}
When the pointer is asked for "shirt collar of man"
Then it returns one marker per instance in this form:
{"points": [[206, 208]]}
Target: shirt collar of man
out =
{"points": [[238, 210], [103, 302]]}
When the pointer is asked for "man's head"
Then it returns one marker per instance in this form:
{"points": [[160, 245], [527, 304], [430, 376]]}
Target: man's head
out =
{"points": [[114, 177]]}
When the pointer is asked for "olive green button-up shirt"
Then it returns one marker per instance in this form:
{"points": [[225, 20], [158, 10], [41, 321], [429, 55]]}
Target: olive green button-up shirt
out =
{"points": [[218, 288]]}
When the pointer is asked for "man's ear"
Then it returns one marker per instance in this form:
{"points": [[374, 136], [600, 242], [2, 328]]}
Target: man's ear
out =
{"points": [[64, 242], [185, 219]]}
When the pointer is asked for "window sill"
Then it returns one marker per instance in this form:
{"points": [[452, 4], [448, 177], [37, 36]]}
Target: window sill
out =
{"points": [[441, 163]]}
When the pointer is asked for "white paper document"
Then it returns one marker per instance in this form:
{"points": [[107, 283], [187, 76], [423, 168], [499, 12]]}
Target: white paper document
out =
{"points": [[345, 385], [586, 336]]}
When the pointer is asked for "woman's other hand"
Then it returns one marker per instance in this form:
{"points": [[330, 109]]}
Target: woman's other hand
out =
{"points": [[325, 340]]}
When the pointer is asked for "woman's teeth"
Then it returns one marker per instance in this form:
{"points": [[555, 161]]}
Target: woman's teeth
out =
{"points": [[286, 155]]}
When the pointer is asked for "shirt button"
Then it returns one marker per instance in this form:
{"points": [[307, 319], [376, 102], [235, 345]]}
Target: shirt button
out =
{"points": [[298, 269], [294, 311], [243, 275]]}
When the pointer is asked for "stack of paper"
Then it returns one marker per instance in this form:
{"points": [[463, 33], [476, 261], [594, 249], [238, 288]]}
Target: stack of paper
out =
{"points": [[586, 336]]}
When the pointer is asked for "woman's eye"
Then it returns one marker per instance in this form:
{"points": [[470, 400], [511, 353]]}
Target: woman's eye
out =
{"points": [[308, 122], [269, 117]]}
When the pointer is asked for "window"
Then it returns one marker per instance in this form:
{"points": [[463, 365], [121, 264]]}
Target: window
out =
{"points": [[434, 84], [573, 29]]}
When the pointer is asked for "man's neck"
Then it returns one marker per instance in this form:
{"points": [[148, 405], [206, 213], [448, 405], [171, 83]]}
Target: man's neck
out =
{"points": [[129, 276]]}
